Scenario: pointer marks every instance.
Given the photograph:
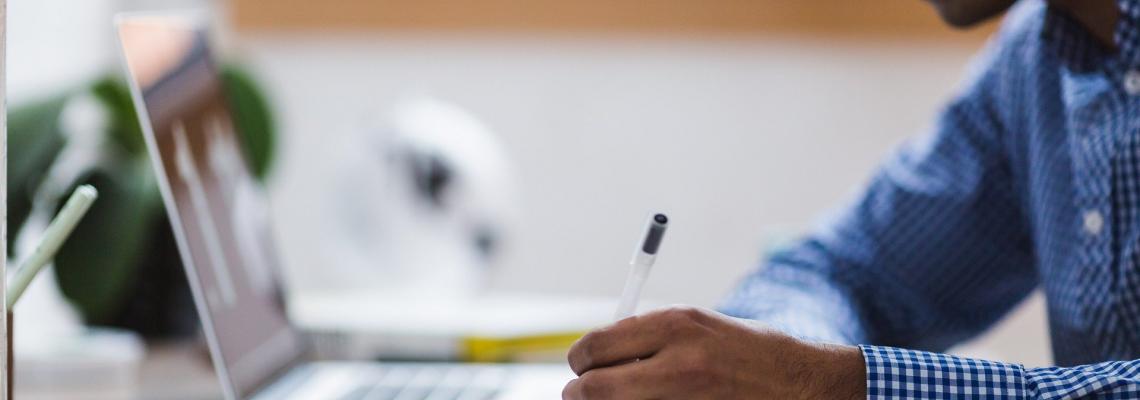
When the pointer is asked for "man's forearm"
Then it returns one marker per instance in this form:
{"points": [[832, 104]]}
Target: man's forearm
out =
{"points": [[836, 372]]}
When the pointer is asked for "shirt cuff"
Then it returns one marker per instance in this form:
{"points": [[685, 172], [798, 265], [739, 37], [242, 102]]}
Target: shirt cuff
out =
{"points": [[894, 373]]}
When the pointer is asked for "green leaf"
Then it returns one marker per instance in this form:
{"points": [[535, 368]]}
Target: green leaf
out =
{"points": [[124, 126], [252, 118], [34, 142], [96, 268], [100, 258]]}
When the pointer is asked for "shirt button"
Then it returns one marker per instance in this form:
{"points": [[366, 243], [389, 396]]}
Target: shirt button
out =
{"points": [[1132, 82], [1094, 222]]}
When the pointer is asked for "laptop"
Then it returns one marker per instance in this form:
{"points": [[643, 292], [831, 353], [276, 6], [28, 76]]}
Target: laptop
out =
{"points": [[220, 222]]}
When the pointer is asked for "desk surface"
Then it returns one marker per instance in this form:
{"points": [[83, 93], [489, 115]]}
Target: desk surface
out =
{"points": [[177, 371], [170, 371]]}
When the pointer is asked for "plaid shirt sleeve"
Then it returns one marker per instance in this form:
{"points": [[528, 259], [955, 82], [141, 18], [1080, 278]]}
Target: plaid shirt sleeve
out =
{"points": [[894, 373]]}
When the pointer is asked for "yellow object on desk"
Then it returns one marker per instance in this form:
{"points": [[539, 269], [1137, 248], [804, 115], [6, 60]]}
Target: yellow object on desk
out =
{"points": [[517, 349]]}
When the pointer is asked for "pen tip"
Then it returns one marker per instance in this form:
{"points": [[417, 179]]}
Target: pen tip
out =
{"points": [[661, 219]]}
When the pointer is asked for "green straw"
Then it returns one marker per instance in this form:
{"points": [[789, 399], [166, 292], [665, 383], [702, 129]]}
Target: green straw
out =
{"points": [[56, 233]]}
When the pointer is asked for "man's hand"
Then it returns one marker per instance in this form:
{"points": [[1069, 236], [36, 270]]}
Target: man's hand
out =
{"points": [[691, 353]]}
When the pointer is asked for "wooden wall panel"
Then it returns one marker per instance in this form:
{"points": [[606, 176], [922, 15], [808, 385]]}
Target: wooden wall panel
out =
{"points": [[831, 18]]}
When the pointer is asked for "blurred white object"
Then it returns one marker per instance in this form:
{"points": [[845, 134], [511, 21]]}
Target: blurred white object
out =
{"points": [[423, 199]]}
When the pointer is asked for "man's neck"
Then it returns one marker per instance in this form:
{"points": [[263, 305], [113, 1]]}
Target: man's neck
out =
{"points": [[1099, 17]]}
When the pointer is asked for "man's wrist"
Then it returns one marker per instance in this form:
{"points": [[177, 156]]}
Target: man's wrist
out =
{"points": [[835, 372]]}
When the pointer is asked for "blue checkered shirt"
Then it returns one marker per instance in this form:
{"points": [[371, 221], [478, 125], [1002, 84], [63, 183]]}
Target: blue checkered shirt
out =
{"points": [[1030, 178]]}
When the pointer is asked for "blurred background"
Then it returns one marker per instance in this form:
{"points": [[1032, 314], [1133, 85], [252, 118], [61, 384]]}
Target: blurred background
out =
{"points": [[744, 120]]}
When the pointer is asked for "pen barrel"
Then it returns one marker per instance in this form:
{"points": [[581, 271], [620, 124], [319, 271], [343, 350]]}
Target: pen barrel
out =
{"points": [[643, 259], [638, 274]]}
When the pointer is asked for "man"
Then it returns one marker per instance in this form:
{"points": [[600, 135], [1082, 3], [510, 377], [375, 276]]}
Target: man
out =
{"points": [[1030, 178]]}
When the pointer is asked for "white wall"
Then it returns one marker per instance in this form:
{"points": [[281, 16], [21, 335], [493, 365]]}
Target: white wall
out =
{"points": [[734, 139], [55, 45]]}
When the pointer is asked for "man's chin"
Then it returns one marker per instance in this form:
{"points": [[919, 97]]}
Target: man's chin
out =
{"points": [[967, 13]]}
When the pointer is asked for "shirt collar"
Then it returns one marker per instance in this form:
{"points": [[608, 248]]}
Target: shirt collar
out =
{"points": [[1127, 34], [1077, 48]]}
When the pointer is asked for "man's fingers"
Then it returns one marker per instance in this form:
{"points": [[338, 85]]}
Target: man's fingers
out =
{"points": [[627, 340], [630, 381]]}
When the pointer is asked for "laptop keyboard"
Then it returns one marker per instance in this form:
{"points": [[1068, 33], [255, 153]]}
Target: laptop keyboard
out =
{"points": [[427, 382]]}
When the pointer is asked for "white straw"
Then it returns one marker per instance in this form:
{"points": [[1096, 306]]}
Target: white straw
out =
{"points": [[54, 236]]}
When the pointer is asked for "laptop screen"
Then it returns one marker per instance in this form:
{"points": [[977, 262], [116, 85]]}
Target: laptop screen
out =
{"points": [[216, 207]]}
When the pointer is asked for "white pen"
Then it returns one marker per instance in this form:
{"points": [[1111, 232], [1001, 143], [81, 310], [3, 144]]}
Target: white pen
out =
{"points": [[643, 257]]}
